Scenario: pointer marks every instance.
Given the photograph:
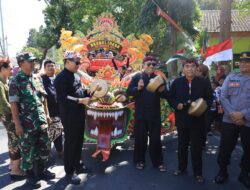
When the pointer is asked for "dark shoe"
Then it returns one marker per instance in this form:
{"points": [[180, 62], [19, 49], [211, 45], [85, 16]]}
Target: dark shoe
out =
{"points": [[73, 179], [245, 180], [139, 166], [221, 177], [81, 164], [83, 169], [47, 175], [179, 172], [34, 182], [132, 136], [200, 179], [17, 177]]}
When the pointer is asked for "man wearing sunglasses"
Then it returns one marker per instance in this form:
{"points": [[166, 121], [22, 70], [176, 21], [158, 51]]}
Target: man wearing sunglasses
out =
{"points": [[30, 115], [147, 116], [72, 114], [235, 99]]}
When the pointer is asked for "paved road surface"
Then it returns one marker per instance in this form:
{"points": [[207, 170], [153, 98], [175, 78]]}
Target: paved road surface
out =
{"points": [[119, 173]]}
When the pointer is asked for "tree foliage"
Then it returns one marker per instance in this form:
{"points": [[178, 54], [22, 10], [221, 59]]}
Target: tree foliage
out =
{"points": [[209, 4], [133, 16], [42, 40], [37, 53], [185, 13], [243, 5]]}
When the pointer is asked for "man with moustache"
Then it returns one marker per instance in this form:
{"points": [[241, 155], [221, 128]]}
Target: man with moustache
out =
{"points": [[183, 91], [30, 115], [235, 99], [147, 116]]}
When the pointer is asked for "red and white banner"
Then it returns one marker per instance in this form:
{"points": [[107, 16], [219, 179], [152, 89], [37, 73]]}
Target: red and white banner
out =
{"points": [[219, 52]]}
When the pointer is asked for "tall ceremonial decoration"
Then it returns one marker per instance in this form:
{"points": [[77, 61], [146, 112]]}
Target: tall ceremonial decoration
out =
{"points": [[110, 115]]}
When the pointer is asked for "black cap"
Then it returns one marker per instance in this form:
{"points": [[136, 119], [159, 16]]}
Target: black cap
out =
{"points": [[245, 56]]}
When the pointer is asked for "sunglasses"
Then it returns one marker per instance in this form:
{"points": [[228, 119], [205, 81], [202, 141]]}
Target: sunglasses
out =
{"points": [[152, 63], [77, 62]]}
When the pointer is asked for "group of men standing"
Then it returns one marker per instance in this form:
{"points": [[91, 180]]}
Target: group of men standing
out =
{"points": [[36, 103], [39, 104], [183, 91]]}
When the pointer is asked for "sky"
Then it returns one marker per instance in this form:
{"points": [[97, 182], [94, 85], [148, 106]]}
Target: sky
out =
{"points": [[19, 16]]}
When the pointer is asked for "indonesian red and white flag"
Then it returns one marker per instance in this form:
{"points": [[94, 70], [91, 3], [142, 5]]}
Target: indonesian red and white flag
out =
{"points": [[219, 52]]}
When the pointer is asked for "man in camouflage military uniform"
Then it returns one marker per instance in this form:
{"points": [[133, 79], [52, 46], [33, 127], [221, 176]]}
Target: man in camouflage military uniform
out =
{"points": [[235, 99], [30, 115]]}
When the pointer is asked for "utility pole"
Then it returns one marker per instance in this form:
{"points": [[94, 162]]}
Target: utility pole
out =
{"points": [[2, 36]]}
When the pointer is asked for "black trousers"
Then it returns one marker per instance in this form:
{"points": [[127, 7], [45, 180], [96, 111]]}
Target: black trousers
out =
{"points": [[143, 129], [73, 134], [193, 136], [206, 129], [229, 137], [58, 143]]}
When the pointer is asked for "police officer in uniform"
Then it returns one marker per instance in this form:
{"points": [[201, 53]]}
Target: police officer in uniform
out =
{"points": [[190, 129], [235, 99], [72, 114]]}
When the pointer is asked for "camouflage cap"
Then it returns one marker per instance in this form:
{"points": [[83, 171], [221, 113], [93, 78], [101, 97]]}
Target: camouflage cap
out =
{"points": [[245, 56], [25, 56], [71, 55]]}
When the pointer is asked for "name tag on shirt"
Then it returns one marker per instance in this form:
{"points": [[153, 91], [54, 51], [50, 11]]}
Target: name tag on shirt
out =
{"points": [[234, 84]]}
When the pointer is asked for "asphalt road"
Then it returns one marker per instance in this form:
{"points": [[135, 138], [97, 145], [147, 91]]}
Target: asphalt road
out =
{"points": [[118, 173]]}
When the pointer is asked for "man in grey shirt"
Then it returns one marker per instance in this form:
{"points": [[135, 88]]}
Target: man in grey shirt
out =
{"points": [[235, 99]]}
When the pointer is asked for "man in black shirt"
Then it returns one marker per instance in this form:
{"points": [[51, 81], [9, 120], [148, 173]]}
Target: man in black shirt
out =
{"points": [[183, 91], [55, 127], [72, 115], [147, 116]]}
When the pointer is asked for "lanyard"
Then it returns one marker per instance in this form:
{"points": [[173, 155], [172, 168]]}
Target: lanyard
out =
{"points": [[189, 91], [190, 87]]}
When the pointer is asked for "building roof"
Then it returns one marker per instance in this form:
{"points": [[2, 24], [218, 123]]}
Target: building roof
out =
{"points": [[211, 18]]}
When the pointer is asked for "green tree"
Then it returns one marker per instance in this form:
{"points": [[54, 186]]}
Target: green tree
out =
{"points": [[209, 4], [37, 53], [42, 40], [186, 13], [243, 5], [31, 42], [133, 16]]}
